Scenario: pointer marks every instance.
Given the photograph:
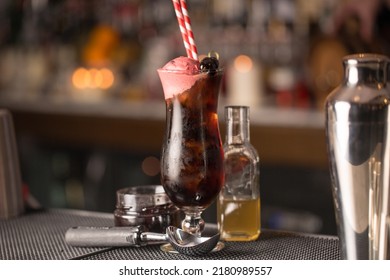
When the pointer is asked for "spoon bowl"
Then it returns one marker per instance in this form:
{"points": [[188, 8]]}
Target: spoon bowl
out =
{"points": [[189, 244]]}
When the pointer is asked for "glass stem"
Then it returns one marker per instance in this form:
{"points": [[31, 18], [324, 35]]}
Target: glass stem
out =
{"points": [[193, 223]]}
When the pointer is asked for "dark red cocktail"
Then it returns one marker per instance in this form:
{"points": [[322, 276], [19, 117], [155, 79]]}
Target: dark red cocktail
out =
{"points": [[192, 157]]}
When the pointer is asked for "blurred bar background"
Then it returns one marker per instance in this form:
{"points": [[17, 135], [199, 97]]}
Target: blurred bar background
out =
{"points": [[80, 80]]}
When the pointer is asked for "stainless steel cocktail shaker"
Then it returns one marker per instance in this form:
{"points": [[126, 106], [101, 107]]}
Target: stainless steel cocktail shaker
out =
{"points": [[358, 135]]}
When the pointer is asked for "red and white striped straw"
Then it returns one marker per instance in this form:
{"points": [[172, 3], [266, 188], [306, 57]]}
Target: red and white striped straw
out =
{"points": [[190, 35], [184, 21], [182, 26]]}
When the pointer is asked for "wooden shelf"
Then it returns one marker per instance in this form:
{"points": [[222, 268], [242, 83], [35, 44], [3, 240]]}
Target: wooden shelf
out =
{"points": [[282, 136]]}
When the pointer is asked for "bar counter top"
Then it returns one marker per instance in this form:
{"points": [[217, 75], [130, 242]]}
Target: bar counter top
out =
{"points": [[40, 235]]}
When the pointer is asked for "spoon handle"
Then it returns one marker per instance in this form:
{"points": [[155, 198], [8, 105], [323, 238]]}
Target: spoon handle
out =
{"points": [[151, 238], [103, 236]]}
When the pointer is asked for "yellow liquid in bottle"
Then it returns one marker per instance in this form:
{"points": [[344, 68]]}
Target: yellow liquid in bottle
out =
{"points": [[239, 219]]}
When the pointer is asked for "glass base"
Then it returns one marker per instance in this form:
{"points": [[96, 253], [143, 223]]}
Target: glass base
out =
{"points": [[169, 249]]}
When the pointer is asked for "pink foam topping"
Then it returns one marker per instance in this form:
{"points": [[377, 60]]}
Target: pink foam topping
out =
{"points": [[178, 75]]}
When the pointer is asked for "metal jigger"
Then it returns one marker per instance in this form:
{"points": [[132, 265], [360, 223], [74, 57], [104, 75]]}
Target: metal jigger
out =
{"points": [[11, 198]]}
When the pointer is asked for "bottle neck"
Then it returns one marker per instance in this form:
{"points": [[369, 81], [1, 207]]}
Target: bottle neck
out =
{"points": [[237, 125], [371, 70]]}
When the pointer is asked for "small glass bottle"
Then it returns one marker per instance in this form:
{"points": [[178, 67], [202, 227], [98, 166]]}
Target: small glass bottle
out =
{"points": [[238, 206]]}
